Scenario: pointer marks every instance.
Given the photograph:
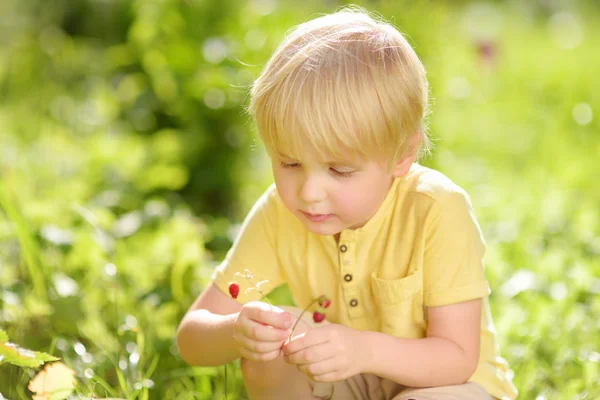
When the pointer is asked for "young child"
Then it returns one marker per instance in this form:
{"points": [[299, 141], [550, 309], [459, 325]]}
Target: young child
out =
{"points": [[340, 108]]}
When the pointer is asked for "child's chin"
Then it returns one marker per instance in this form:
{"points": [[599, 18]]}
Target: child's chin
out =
{"points": [[321, 229]]}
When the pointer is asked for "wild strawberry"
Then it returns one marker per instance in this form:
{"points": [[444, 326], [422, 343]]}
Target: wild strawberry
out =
{"points": [[324, 302], [234, 290], [318, 317]]}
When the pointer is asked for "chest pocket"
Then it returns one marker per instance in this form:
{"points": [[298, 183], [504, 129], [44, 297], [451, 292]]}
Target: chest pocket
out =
{"points": [[399, 303]]}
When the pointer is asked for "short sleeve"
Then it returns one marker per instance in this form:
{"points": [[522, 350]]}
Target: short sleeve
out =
{"points": [[254, 250], [453, 269]]}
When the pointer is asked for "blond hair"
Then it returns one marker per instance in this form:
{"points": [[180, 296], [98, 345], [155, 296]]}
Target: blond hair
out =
{"points": [[342, 83]]}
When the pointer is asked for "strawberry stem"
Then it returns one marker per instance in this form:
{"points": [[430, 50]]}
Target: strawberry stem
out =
{"points": [[259, 291], [300, 317]]}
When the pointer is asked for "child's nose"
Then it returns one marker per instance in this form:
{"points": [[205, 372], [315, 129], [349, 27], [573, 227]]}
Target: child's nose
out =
{"points": [[312, 190]]}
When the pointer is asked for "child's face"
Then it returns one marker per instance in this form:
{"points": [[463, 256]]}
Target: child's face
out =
{"points": [[328, 197]]}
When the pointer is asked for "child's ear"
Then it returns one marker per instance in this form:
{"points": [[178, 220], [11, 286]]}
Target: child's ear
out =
{"points": [[403, 165]]}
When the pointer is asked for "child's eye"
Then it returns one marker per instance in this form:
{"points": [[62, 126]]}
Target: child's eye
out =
{"points": [[342, 173], [290, 165]]}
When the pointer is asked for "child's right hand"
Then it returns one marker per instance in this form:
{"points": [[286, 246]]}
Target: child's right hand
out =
{"points": [[260, 330]]}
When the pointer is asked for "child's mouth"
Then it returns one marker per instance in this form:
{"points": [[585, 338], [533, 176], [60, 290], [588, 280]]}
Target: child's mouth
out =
{"points": [[316, 217]]}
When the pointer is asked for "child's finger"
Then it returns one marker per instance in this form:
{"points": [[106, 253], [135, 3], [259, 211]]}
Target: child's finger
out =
{"points": [[305, 340], [272, 316], [256, 346], [263, 333], [248, 355]]}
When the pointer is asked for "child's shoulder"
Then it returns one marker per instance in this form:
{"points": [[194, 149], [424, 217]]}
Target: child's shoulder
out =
{"points": [[271, 206], [271, 198], [423, 181]]}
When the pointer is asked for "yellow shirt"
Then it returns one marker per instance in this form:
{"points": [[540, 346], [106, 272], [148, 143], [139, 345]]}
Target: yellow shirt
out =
{"points": [[422, 248]]}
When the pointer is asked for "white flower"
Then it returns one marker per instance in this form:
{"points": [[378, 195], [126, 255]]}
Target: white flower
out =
{"points": [[247, 274], [261, 283]]}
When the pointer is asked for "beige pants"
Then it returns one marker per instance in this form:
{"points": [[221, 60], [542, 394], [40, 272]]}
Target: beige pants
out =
{"points": [[372, 387]]}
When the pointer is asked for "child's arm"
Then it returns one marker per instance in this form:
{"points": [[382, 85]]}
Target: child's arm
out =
{"points": [[204, 337], [447, 356], [217, 330]]}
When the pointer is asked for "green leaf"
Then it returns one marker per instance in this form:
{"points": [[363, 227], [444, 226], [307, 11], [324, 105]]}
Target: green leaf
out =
{"points": [[3, 337], [122, 381], [152, 367], [29, 246], [13, 354], [104, 384]]}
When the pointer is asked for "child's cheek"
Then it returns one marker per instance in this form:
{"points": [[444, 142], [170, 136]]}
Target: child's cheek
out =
{"points": [[285, 187], [346, 200]]}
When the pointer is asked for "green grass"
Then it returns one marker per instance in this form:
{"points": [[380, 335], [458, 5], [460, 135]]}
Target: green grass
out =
{"points": [[99, 258]]}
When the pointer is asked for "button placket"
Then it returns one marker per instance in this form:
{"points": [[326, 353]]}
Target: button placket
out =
{"points": [[346, 251], [346, 264]]}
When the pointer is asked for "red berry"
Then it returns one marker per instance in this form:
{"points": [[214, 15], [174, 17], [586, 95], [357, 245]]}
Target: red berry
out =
{"points": [[318, 317], [234, 290], [324, 302]]}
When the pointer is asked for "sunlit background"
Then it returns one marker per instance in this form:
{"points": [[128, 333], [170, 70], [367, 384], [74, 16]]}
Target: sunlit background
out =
{"points": [[127, 163]]}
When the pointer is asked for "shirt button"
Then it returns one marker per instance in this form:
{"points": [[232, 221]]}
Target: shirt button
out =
{"points": [[353, 303], [343, 248], [347, 277]]}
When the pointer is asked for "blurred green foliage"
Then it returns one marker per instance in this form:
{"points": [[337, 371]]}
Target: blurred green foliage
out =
{"points": [[126, 161]]}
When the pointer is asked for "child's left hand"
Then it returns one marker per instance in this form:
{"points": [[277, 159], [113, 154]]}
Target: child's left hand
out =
{"points": [[327, 354]]}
